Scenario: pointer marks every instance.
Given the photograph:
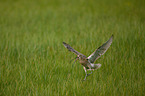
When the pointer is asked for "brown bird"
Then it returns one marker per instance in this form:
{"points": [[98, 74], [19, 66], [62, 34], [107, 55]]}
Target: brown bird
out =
{"points": [[87, 62]]}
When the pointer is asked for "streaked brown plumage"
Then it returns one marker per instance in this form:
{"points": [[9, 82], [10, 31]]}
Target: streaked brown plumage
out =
{"points": [[87, 62]]}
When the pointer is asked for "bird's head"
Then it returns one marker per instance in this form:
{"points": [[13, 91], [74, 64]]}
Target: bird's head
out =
{"points": [[81, 57]]}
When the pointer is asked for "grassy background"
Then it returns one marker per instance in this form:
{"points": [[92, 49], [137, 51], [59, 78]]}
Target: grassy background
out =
{"points": [[33, 60]]}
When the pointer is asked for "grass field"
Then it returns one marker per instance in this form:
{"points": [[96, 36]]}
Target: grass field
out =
{"points": [[33, 60]]}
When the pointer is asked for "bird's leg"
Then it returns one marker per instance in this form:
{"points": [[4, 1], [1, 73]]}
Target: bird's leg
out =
{"points": [[89, 73], [86, 73]]}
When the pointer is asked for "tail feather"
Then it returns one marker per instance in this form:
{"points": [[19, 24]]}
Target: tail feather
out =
{"points": [[95, 66]]}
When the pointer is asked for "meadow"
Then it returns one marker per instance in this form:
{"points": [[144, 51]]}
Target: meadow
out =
{"points": [[34, 62]]}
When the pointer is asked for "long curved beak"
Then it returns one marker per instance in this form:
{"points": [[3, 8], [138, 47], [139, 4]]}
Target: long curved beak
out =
{"points": [[76, 58]]}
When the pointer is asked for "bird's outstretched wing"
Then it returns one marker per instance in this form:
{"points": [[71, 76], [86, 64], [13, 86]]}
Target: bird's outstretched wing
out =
{"points": [[71, 49], [100, 51]]}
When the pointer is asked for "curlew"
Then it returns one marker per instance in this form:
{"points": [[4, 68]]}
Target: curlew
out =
{"points": [[88, 62]]}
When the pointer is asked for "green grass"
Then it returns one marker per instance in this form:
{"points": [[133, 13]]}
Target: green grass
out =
{"points": [[33, 60]]}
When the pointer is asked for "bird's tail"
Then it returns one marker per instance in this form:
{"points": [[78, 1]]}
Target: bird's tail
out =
{"points": [[95, 66]]}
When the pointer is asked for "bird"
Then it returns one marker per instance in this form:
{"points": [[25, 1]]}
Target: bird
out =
{"points": [[88, 62]]}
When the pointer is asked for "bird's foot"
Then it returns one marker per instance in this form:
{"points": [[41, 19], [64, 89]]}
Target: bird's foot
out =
{"points": [[86, 76], [84, 79], [89, 74]]}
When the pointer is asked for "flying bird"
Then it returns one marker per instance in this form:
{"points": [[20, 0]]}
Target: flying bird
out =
{"points": [[88, 62]]}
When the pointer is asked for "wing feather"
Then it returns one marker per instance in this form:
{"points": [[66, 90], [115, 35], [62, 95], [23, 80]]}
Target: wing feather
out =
{"points": [[100, 51], [71, 49]]}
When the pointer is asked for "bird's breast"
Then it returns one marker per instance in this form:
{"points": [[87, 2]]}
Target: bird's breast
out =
{"points": [[85, 63]]}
